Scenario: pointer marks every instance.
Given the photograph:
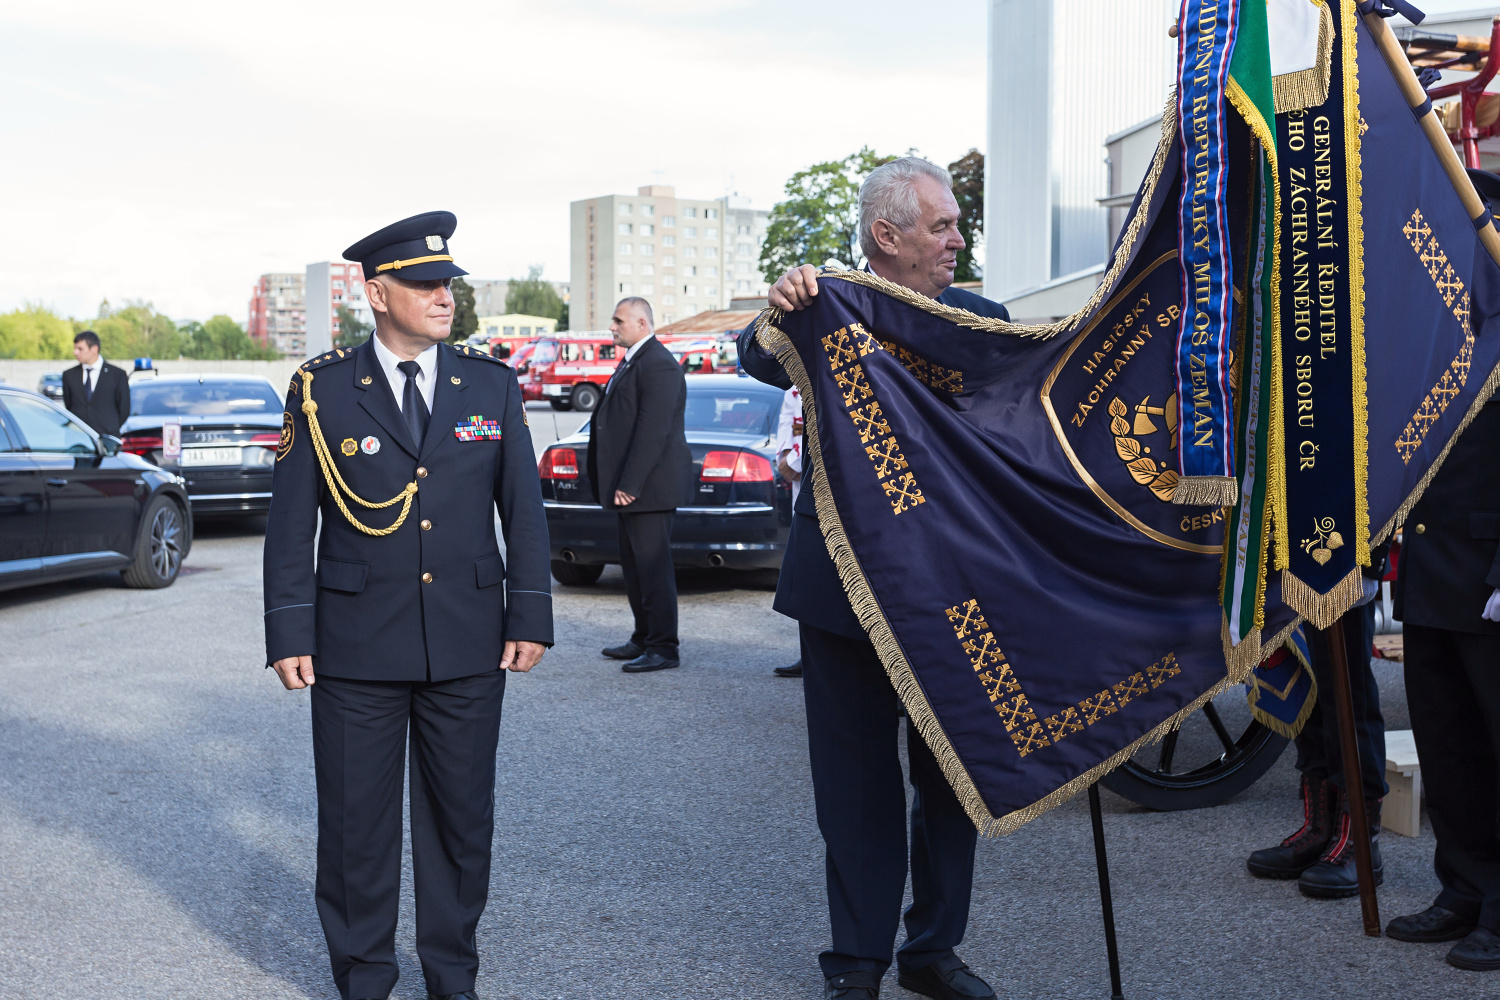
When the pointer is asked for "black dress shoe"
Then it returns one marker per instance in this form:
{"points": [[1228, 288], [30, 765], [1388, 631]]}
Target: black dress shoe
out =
{"points": [[1479, 952], [949, 978], [790, 670], [629, 651], [649, 661], [852, 986], [1432, 924]]}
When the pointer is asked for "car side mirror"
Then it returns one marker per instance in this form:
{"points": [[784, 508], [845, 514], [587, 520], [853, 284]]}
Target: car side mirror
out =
{"points": [[109, 445]]}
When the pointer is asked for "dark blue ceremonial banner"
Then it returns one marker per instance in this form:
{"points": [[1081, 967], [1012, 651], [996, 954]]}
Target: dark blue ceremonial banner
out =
{"points": [[998, 502], [1431, 301]]}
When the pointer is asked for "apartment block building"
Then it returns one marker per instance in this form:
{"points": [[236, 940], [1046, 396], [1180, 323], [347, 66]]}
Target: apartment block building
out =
{"points": [[277, 313], [684, 256], [330, 284]]}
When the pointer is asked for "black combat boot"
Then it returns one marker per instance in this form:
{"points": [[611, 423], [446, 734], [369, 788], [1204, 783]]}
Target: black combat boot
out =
{"points": [[1301, 850], [1334, 876]]}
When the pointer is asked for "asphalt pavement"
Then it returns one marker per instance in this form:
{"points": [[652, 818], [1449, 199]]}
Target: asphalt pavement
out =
{"points": [[655, 834]]}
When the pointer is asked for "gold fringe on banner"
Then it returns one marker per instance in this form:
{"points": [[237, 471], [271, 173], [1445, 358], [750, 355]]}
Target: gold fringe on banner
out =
{"points": [[1308, 88], [1322, 610], [1207, 491], [1274, 724]]}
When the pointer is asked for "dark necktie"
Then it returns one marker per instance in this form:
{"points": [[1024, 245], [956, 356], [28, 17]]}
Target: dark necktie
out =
{"points": [[88, 383], [413, 406], [620, 370]]}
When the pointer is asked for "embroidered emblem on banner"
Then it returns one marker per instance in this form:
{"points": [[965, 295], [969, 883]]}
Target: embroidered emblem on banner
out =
{"points": [[477, 428], [1451, 287], [844, 347]]}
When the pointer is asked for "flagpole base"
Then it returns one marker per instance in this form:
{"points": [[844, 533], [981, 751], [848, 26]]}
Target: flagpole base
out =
{"points": [[1207, 491]]}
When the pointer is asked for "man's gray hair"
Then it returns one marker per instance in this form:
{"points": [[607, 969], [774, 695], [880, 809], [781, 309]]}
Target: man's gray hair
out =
{"points": [[887, 194], [642, 305]]}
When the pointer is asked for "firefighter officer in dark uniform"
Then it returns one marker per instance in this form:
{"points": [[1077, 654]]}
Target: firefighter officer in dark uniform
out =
{"points": [[409, 618]]}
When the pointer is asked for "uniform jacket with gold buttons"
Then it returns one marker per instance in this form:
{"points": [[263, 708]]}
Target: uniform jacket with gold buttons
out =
{"points": [[434, 599]]}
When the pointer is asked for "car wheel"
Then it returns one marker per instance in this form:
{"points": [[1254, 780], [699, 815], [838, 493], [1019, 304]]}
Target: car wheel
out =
{"points": [[576, 574], [158, 551], [560, 404], [586, 396]]}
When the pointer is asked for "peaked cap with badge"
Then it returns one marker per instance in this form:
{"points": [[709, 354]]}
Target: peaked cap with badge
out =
{"points": [[415, 249], [408, 588]]}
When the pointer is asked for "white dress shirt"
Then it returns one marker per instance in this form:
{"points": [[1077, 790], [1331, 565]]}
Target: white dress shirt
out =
{"points": [[91, 375], [426, 380]]}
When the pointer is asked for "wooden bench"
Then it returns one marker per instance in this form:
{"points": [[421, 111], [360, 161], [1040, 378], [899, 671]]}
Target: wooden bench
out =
{"points": [[1402, 810]]}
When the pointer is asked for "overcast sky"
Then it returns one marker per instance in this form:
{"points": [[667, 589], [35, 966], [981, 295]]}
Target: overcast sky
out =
{"points": [[174, 151]]}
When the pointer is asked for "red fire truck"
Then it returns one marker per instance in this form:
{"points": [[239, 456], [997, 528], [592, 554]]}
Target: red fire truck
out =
{"points": [[569, 370]]}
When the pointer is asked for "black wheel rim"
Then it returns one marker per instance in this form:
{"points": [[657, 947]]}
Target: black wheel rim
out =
{"points": [[1168, 774], [166, 542]]}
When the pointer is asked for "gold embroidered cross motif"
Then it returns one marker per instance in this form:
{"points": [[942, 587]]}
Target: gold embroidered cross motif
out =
{"points": [[1451, 287], [967, 619], [869, 421], [1163, 668], [947, 380], [1063, 724], [851, 382], [886, 456], [903, 492], [862, 339], [933, 376], [1097, 707], [1029, 739], [1129, 689], [983, 651], [1015, 711], [999, 684], [840, 352]]}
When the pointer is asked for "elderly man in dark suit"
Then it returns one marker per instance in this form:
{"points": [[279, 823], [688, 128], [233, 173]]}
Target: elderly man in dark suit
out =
{"points": [[908, 231], [95, 391], [1448, 599], [641, 467]]}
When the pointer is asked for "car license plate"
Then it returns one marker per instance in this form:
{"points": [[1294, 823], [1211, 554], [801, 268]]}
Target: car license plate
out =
{"points": [[193, 457]]}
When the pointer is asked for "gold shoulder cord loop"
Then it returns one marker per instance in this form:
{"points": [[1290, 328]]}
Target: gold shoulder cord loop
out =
{"points": [[336, 485]]}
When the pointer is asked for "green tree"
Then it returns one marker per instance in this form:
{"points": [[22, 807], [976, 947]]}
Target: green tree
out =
{"points": [[35, 332], [531, 296], [562, 321], [465, 320], [137, 330], [221, 339], [820, 217], [353, 331], [968, 189]]}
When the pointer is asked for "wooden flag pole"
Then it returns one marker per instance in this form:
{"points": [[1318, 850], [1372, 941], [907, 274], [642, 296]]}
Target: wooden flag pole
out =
{"points": [[1096, 813], [1354, 786]]}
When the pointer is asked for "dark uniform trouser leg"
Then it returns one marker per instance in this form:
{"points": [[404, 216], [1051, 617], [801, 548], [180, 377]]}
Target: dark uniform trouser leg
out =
{"points": [[852, 733], [650, 582], [359, 741], [1319, 751], [1453, 692]]}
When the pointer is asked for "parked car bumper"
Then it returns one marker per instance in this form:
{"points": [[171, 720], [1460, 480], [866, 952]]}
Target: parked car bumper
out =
{"points": [[739, 536], [231, 491]]}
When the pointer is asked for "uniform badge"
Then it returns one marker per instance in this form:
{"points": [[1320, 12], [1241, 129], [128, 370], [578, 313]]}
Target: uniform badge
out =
{"points": [[365, 380], [348, 447], [288, 433], [370, 445], [454, 379], [434, 243], [477, 428]]}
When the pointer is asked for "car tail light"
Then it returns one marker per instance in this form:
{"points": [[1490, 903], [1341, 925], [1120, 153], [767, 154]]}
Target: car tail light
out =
{"points": [[735, 466], [558, 463], [140, 444], [267, 440]]}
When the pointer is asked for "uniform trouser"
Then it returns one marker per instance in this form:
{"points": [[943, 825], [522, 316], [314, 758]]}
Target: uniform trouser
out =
{"points": [[1319, 750], [1453, 693], [853, 724], [650, 579], [360, 735]]}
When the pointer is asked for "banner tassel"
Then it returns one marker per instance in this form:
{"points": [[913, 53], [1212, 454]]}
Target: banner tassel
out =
{"points": [[1207, 491]]}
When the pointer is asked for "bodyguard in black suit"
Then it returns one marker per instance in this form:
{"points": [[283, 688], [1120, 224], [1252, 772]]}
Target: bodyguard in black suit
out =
{"points": [[1448, 599], [95, 391], [411, 616], [853, 713], [640, 466]]}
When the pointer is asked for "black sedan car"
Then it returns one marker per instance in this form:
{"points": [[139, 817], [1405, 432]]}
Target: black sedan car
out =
{"points": [[72, 504], [230, 426], [743, 511]]}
